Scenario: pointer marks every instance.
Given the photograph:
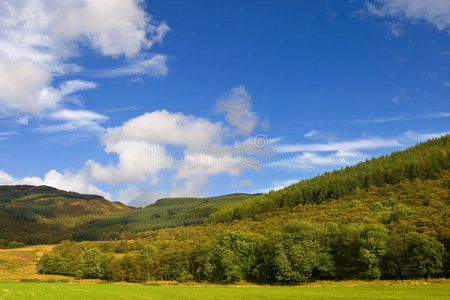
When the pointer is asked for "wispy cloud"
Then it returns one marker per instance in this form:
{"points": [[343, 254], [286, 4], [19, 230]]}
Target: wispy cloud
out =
{"points": [[155, 66], [6, 135], [119, 109], [277, 185], [343, 153], [75, 120], [397, 118], [435, 12], [366, 143], [446, 83]]}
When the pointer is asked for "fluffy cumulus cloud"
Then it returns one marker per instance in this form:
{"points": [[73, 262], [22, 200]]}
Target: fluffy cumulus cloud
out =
{"points": [[112, 27], [191, 147], [435, 12], [38, 40], [78, 182], [167, 128], [237, 107]]}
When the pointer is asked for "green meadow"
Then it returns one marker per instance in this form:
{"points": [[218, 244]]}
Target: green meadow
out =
{"points": [[43, 290]]}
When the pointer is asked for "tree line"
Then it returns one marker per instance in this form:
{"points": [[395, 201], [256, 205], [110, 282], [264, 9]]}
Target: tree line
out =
{"points": [[299, 252], [387, 218]]}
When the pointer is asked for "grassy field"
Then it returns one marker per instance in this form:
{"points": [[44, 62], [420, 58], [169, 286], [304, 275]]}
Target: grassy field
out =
{"points": [[42, 290], [19, 264]]}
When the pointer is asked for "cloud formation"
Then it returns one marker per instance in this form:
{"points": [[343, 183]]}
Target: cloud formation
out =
{"points": [[435, 12], [342, 153], [39, 39], [79, 182], [191, 148], [237, 107]]}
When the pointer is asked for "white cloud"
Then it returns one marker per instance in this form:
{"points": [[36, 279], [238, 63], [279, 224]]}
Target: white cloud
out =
{"points": [[311, 133], [79, 182], [6, 135], [415, 137], [395, 28], [278, 185], [360, 144], [397, 118], [113, 27], [446, 83], [72, 86], [21, 83], [344, 153], [195, 186], [319, 135], [75, 119], [5, 178], [138, 161], [128, 194], [237, 107], [436, 12], [39, 39], [146, 197], [214, 161], [164, 127], [190, 146], [155, 66]]}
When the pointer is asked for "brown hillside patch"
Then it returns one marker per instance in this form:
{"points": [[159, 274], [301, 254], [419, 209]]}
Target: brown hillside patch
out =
{"points": [[20, 263]]}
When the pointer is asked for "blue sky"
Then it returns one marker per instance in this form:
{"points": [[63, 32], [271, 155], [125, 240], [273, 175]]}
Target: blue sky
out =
{"points": [[138, 100]]}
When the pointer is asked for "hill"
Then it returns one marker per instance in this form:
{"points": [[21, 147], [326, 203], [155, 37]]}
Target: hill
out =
{"points": [[164, 213], [42, 214], [423, 161], [386, 218]]}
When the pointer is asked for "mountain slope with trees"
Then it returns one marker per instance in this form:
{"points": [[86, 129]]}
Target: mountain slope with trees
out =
{"points": [[164, 213], [423, 161], [390, 220], [42, 214]]}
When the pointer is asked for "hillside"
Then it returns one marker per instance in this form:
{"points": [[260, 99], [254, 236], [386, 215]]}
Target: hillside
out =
{"points": [[42, 214], [423, 161], [386, 218], [164, 213]]}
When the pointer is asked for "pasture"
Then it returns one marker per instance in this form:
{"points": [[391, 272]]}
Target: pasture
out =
{"points": [[45, 290]]}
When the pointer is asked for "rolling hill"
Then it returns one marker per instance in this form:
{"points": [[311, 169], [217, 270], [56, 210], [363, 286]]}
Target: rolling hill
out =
{"points": [[386, 218], [164, 213], [42, 214]]}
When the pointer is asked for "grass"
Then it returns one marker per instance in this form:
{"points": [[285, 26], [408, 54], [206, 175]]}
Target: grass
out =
{"points": [[41, 290], [19, 264]]}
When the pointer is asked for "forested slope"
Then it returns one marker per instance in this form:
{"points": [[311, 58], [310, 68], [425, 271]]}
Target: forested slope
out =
{"points": [[396, 226], [164, 213], [42, 214], [423, 161]]}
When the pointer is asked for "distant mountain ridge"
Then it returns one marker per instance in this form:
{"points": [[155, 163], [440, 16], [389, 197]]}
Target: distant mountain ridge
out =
{"points": [[43, 214]]}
